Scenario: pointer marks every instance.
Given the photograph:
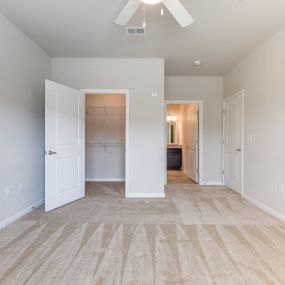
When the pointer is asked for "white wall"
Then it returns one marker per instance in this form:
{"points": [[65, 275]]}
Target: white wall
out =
{"points": [[23, 68], [105, 137], [262, 76], [140, 76], [210, 91]]}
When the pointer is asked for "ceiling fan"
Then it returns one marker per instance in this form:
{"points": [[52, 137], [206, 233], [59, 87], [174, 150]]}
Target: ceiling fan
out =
{"points": [[174, 6]]}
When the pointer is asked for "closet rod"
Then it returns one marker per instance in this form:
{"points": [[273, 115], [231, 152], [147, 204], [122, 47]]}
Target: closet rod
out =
{"points": [[106, 145]]}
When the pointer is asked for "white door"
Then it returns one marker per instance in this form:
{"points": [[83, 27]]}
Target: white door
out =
{"points": [[233, 142], [193, 142], [64, 145]]}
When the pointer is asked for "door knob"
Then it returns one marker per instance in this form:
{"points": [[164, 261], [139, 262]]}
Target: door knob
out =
{"points": [[238, 149], [52, 152]]}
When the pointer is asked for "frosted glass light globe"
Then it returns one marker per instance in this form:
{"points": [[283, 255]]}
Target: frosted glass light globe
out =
{"points": [[151, 2]]}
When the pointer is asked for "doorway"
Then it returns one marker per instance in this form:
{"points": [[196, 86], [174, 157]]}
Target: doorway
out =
{"points": [[107, 136], [65, 142], [105, 133], [183, 142]]}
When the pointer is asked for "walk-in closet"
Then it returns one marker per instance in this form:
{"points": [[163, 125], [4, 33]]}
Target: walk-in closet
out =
{"points": [[105, 137]]}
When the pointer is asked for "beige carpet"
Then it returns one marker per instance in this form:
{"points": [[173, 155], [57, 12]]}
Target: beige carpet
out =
{"points": [[198, 235], [175, 177]]}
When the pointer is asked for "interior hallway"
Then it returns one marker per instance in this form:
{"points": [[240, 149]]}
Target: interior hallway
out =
{"points": [[197, 235], [175, 177]]}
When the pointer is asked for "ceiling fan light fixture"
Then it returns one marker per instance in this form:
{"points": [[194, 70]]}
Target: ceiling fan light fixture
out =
{"points": [[151, 2], [176, 9]]}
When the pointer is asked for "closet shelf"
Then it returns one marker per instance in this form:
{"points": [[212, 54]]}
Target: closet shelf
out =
{"points": [[107, 111], [105, 145], [106, 107]]}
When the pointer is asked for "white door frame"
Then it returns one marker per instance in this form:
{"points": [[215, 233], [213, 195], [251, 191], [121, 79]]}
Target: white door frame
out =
{"points": [[240, 93], [125, 92], [201, 142]]}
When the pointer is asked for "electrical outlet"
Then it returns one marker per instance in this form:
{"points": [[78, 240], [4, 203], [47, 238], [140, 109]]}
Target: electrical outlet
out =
{"points": [[7, 190], [21, 186]]}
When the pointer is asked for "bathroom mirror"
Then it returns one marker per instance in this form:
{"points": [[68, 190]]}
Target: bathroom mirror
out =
{"points": [[172, 132]]}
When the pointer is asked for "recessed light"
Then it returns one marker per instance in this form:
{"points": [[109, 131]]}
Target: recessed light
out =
{"points": [[197, 62]]}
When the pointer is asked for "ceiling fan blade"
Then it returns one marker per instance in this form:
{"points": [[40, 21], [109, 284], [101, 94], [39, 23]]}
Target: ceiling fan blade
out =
{"points": [[178, 12], [128, 11]]}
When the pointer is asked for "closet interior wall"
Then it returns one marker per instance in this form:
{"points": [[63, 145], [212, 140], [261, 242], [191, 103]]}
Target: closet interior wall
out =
{"points": [[105, 137]]}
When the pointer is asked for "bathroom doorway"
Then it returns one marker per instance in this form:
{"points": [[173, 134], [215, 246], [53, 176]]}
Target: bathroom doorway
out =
{"points": [[183, 142]]}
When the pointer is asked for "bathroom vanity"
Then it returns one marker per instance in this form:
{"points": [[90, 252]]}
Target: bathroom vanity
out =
{"points": [[174, 157]]}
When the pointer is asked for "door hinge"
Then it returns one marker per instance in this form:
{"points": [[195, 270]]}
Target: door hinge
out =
{"points": [[223, 171]]}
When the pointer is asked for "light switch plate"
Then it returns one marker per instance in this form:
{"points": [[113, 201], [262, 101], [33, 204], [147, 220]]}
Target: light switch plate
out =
{"points": [[154, 93]]}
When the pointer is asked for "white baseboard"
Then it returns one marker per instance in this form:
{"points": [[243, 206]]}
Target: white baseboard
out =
{"points": [[105, 179], [212, 183], [185, 171], [20, 214], [145, 195], [265, 208]]}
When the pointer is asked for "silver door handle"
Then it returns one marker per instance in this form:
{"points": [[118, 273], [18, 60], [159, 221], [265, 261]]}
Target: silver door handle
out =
{"points": [[238, 149], [52, 152]]}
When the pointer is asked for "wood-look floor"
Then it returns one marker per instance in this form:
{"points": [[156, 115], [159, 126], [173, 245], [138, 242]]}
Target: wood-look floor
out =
{"points": [[197, 235], [175, 177]]}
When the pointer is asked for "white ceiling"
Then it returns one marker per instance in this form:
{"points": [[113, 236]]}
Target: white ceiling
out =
{"points": [[223, 33]]}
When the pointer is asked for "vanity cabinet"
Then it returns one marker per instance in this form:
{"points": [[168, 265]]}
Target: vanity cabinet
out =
{"points": [[174, 158]]}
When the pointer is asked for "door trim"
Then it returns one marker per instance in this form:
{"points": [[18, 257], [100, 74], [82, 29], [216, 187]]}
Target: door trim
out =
{"points": [[125, 92], [240, 93], [200, 103]]}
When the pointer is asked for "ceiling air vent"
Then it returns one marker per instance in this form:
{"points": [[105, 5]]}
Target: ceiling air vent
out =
{"points": [[135, 31]]}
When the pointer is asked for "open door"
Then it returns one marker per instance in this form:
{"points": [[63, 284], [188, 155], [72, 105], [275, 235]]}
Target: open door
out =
{"points": [[64, 145], [193, 142]]}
